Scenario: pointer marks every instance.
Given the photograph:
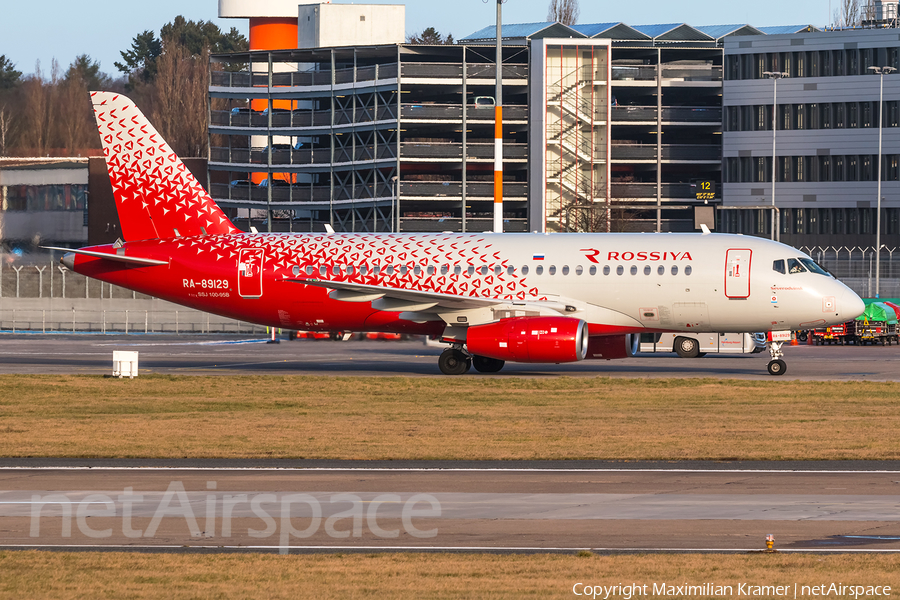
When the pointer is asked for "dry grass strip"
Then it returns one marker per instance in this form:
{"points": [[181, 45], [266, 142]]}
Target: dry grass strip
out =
{"points": [[98, 576], [161, 416]]}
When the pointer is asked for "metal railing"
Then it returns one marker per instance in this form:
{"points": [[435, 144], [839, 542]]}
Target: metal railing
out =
{"points": [[704, 152]]}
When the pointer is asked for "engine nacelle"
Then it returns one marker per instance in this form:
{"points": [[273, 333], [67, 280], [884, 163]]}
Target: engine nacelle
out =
{"points": [[609, 347], [530, 339]]}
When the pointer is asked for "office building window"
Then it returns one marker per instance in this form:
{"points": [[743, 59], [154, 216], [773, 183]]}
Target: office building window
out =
{"points": [[852, 62], [839, 114], [762, 123], [852, 115], [763, 172], [825, 220], [866, 168], [824, 168], [866, 114]]}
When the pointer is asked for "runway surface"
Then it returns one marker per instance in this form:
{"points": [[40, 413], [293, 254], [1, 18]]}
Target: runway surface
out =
{"points": [[209, 355], [449, 507]]}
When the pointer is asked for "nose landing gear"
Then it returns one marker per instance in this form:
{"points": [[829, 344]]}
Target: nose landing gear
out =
{"points": [[776, 366]]}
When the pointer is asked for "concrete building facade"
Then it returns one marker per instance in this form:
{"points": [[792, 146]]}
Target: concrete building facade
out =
{"points": [[826, 142]]}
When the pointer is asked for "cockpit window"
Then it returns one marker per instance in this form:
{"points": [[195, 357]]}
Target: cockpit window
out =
{"points": [[813, 267], [794, 266], [778, 266]]}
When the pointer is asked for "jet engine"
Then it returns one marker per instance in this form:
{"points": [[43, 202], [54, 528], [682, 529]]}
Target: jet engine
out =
{"points": [[530, 339], [609, 347]]}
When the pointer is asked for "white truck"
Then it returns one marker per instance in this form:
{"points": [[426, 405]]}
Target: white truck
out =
{"points": [[693, 345]]}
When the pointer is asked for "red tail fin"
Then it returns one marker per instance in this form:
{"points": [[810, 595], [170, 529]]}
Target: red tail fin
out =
{"points": [[156, 195]]}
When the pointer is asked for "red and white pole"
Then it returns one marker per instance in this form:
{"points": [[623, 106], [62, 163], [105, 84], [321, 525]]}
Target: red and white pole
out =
{"points": [[498, 131]]}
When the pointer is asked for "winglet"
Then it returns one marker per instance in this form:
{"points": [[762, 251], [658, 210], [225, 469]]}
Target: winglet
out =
{"points": [[704, 229]]}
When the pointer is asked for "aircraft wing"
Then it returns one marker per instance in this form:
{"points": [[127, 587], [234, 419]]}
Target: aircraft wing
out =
{"points": [[396, 299], [417, 305]]}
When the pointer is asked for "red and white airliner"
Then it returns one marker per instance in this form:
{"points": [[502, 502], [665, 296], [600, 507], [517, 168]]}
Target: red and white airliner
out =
{"points": [[492, 297]]}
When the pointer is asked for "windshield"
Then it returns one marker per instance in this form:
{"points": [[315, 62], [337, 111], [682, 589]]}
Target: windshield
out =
{"points": [[813, 267]]}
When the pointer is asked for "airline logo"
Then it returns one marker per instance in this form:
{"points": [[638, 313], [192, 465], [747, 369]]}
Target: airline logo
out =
{"points": [[592, 253]]}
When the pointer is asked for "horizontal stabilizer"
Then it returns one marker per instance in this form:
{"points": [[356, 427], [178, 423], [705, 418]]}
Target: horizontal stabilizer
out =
{"points": [[137, 260]]}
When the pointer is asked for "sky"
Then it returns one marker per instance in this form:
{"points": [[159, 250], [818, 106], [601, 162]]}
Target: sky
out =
{"points": [[63, 29]]}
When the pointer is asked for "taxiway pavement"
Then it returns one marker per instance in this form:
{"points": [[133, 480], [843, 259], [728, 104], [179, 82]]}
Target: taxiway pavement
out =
{"points": [[506, 507], [209, 355]]}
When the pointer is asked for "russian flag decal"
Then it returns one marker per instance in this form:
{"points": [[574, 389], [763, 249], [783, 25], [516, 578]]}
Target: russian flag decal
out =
{"points": [[538, 257]]}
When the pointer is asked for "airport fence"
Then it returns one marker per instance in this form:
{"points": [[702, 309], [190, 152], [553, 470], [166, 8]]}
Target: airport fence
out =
{"points": [[44, 296]]}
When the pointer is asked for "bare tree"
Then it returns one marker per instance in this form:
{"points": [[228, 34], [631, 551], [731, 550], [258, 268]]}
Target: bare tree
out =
{"points": [[6, 121], [38, 109], [179, 102], [563, 11], [848, 14]]}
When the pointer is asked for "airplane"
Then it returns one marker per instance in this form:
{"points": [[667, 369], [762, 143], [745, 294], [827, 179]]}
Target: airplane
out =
{"points": [[492, 297]]}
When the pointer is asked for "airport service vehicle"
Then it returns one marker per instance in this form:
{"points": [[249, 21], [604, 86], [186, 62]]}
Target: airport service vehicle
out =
{"points": [[533, 298], [692, 345]]}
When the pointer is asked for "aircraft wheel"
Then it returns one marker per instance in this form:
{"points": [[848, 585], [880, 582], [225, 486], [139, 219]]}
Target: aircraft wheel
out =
{"points": [[453, 362], [484, 364], [687, 347], [777, 367]]}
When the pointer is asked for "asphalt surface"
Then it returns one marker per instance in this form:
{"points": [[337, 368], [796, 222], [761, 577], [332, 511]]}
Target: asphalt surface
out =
{"points": [[209, 355], [450, 508]]}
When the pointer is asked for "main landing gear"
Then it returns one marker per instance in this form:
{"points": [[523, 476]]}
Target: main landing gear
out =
{"points": [[776, 366], [455, 361]]}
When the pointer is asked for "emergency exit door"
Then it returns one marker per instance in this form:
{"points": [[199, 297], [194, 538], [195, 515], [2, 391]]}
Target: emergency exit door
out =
{"points": [[737, 273], [250, 267]]}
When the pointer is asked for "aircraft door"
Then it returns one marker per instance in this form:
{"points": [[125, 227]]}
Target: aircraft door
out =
{"points": [[250, 267], [737, 272]]}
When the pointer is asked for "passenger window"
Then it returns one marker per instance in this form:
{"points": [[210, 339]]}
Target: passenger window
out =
{"points": [[430, 269], [483, 270], [525, 270], [350, 269], [620, 269], [647, 269], [389, 269], [605, 269], [565, 270], [457, 270], [335, 270], [471, 270], [376, 270], [687, 270], [295, 270], [794, 266], [444, 269], [403, 269], [552, 269], [310, 269], [363, 269], [674, 269], [539, 270], [498, 269], [510, 270], [634, 269], [661, 270], [579, 270], [323, 270], [417, 270], [778, 266]]}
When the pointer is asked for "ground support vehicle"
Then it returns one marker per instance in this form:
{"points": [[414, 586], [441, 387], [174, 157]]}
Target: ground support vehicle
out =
{"points": [[836, 334], [699, 344]]}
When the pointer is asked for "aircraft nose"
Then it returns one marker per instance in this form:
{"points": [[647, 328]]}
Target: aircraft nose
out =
{"points": [[851, 305]]}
